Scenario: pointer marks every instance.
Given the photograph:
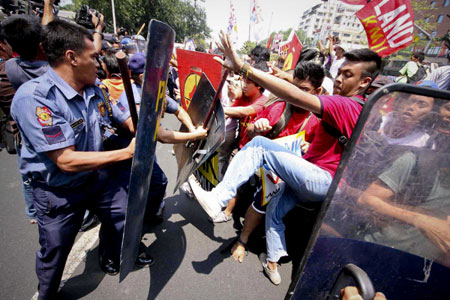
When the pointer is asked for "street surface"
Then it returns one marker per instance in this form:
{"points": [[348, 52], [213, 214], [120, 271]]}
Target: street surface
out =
{"points": [[186, 246]]}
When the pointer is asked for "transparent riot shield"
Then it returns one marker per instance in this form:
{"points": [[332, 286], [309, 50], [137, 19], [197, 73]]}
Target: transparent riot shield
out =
{"points": [[388, 208]]}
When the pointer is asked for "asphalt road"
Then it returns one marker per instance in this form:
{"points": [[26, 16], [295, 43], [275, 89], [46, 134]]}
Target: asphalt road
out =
{"points": [[190, 263]]}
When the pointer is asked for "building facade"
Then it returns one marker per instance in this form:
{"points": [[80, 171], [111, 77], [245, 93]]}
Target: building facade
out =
{"points": [[336, 18]]}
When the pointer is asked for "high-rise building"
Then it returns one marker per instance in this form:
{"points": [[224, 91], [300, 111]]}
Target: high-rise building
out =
{"points": [[336, 18]]}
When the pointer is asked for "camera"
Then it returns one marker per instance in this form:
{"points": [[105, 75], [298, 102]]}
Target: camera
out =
{"points": [[84, 18]]}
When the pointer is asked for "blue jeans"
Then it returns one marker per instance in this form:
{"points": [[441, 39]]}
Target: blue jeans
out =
{"points": [[304, 182], [28, 196]]}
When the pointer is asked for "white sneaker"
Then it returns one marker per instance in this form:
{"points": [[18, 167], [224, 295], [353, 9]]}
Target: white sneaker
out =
{"points": [[186, 188], [206, 199], [273, 275], [222, 217]]}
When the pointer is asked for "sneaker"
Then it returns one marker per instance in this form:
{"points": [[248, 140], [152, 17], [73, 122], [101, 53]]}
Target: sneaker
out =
{"points": [[206, 200], [273, 275], [186, 188], [222, 217]]}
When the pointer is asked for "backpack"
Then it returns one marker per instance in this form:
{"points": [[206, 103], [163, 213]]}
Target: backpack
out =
{"points": [[284, 118], [419, 75]]}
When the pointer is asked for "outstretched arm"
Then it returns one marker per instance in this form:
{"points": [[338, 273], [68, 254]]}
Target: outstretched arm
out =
{"points": [[184, 118], [277, 86], [167, 136], [48, 16]]}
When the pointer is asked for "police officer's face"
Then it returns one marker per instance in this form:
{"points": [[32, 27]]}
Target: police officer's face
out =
{"points": [[86, 70]]}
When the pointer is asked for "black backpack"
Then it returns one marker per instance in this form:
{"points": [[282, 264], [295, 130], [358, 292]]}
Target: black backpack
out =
{"points": [[419, 75]]}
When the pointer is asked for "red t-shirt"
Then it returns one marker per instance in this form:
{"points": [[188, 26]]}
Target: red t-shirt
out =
{"points": [[258, 105], [341, 113], [273, 113]]}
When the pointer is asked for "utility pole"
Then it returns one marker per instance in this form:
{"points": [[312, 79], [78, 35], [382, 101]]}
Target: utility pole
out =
{"points": [[114, 17], [430, 38]]}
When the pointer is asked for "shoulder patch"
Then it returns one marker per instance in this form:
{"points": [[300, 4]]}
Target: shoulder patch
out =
{"points": [[53, 134], [44, 116]]}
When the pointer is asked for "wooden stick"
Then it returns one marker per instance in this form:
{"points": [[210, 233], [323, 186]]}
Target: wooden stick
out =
{"points": [[121, 59], [216, 98], [140, 30]]}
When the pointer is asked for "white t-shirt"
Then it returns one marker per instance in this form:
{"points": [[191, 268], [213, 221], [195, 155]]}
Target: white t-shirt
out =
{"points": [[335, 65]]}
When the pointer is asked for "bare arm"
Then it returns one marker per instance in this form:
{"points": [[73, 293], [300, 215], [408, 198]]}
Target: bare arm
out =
{"points": [[277, 86], [69, 160], [99, 24], [175, 137], [184, 118], [48, 16], [128, 124], [239, 111]]}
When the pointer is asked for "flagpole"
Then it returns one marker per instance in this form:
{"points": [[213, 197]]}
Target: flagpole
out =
{"points": [[114, 17], [270, 24]]}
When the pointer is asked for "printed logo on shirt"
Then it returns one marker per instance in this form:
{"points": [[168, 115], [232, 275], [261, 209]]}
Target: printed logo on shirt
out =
{"points": [[101, 108], [53, 134], [44, 116]]}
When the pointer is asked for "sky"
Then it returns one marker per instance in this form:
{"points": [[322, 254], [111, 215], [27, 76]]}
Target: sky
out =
{"points": [[277, 15]]}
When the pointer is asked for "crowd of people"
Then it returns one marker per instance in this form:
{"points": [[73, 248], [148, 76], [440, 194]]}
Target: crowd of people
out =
{"points": [[62, 86]]}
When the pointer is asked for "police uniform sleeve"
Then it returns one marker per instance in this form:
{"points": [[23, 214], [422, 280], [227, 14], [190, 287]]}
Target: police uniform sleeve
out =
{"points": [[40, 120], [120, 108], [172, 105]]}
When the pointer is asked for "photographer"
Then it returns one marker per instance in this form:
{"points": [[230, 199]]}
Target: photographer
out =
{"points": [[91, 19]]}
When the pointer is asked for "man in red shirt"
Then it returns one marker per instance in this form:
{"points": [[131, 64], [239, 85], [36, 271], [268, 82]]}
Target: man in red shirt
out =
{"points": [[246, 108], [307, 179]]}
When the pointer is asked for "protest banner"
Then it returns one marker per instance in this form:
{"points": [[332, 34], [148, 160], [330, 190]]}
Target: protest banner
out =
{"points": [[389, 25]]}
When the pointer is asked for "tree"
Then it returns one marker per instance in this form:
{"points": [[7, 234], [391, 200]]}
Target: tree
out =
{"points": [[247, 47], [187, 20]]}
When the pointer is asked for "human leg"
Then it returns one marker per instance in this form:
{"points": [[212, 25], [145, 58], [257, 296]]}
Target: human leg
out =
{"points": [[58, 224], [244, 165]]}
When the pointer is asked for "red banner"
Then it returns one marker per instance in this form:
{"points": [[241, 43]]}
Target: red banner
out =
{"points": [[389, 25], [191, 65], [293, 47], [355, 2]]}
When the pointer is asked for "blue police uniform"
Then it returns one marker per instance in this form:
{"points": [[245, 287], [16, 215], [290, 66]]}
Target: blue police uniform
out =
{"points": [[158, 182], [51, 115]]}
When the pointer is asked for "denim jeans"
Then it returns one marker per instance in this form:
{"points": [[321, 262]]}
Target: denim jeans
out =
{"points": [[28, 196], [304, 182]]}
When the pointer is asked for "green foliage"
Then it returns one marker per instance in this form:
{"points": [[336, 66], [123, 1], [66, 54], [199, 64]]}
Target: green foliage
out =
{"points": [[247, 47], [187, 20], [422, 11]]}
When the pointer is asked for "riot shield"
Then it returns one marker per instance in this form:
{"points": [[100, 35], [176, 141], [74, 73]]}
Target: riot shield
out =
{"points": [[161, 38], [388, 206], [191, 155]]}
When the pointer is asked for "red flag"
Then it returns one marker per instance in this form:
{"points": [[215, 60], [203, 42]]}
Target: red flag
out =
{"points": [[293, 47], [269, 42], [355, 2], [191, 65], [389, 25]]}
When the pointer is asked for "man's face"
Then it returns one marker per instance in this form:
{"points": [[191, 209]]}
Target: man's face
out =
{"points": [[349, 79], [413, 109], [444, 111], [305, 85], [339, 52], [249, 89], [86, 69]]}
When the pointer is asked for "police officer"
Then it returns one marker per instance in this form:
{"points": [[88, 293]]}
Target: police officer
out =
{"points": [[63, 119]]}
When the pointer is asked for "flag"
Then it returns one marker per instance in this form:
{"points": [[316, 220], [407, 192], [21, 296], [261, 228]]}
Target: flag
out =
{"points": [[276, 42], [255, 22], [232, 25], [269, 42], [389, 25], [293, 49], [191, 65]]}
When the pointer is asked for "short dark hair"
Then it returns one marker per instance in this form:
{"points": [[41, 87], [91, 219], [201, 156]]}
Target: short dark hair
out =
{"points": [[59, 36], [311, 54], [23, 33], [419, 55], [112, 65], [310, 71], [371, 58], [260, 53]]}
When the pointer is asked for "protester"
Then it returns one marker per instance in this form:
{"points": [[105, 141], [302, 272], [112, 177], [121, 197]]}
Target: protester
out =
{"points": [[308, 76], [441, 76], [308, 178], [413, 70]]}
